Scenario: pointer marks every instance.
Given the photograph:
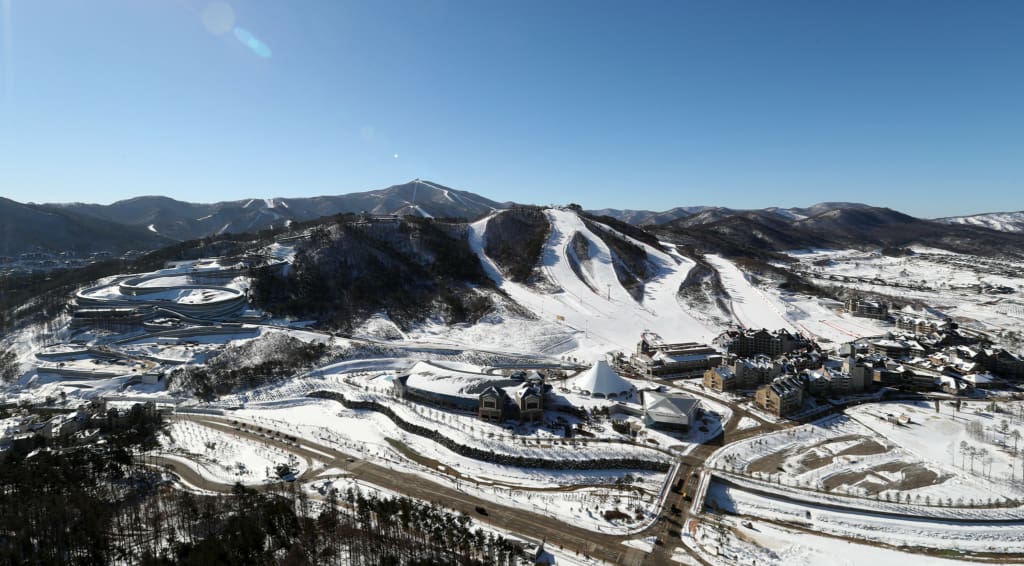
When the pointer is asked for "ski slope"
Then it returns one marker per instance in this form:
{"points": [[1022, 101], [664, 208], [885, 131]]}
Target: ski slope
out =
{"points": [[751, 307], [596, 307]]}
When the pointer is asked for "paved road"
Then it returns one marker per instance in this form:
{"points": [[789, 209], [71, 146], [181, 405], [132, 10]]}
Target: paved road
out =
{"points": [[605, 547], [677, 510]]}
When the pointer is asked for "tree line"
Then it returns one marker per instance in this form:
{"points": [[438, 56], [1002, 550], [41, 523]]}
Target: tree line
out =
{"points": [[108, 503]]}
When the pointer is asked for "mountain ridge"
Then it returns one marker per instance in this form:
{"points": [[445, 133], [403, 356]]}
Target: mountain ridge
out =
{"points": [[148, 222], [1002, 221], [30, 227], [182, 220]]}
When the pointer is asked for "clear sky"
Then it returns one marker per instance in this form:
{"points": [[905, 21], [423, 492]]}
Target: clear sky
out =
{"points": [[916, 105]]}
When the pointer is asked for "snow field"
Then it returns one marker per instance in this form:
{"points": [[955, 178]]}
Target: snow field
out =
{"points": [[579, 496], [900, 469], [946, 282], [946, 534], [937, 437], [747, 423], [463, 428], [725, 541], [598, 306], [751, 306], [228, 458], [821, 319]]}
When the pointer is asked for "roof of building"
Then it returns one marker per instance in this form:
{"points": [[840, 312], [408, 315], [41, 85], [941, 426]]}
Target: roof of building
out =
{"points": [[529, 389], [669, 357], [724, 371], [980, 378], [786, 385], [453, 380], [660, 406], [758, 362], [602, 379], [493, 391]]}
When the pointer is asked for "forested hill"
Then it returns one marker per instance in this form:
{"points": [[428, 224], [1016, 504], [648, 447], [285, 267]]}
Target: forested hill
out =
{"points": [[411, 268], [99, 504]]}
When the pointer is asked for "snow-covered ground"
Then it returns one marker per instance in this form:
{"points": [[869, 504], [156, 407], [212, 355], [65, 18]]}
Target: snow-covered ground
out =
{"points": [[898, 532], [1004, 221], [727, 541], [579, 496], [465, 428], [948, 284], [822, 319], [596, 311], [747, 423], [583, 311], [752, 307], [946, 437], [861, 462], [867, 461], [224, 457]]}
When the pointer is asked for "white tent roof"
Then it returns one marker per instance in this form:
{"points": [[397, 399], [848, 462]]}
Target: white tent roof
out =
{"points": [[601, 380]]}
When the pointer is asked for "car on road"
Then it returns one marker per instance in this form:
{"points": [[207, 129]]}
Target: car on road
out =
{"points": [[481, 510]]}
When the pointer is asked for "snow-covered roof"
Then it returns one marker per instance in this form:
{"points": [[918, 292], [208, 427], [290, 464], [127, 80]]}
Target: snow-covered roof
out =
{"points": [[979, 378], [669, 408], [680, 358], [759, 362], [452, 379], [601, 380]]}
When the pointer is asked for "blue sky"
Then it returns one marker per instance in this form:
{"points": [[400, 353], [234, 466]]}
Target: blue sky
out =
{"points": [[916, 105]]}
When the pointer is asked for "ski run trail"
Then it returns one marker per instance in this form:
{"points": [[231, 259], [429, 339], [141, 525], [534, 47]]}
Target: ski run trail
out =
{"points": [[751, 307], [595, 307]]}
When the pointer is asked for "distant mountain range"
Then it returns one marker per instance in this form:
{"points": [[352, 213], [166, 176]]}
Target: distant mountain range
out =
{"points": [[695, 215], [185, 220], [30, 227], [1002, 221], [151, 222], [833, 225]]}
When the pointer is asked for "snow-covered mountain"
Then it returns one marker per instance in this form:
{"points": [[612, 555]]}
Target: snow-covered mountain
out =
{"points": [[646, 217], [693, 215], [581, 287], [162, 220], [832, 225], [179, 220], [1002, 221]]}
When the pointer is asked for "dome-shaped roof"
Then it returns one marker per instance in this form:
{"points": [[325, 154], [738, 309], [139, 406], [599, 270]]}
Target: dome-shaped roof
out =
{"points": [[601, 381]]}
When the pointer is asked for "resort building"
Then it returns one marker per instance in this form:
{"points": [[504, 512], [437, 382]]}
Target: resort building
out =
{"points": [[601, 382], [656, 358], [749, 343], [865, 308], [782, 397], [671, 412], [720, 378]]}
